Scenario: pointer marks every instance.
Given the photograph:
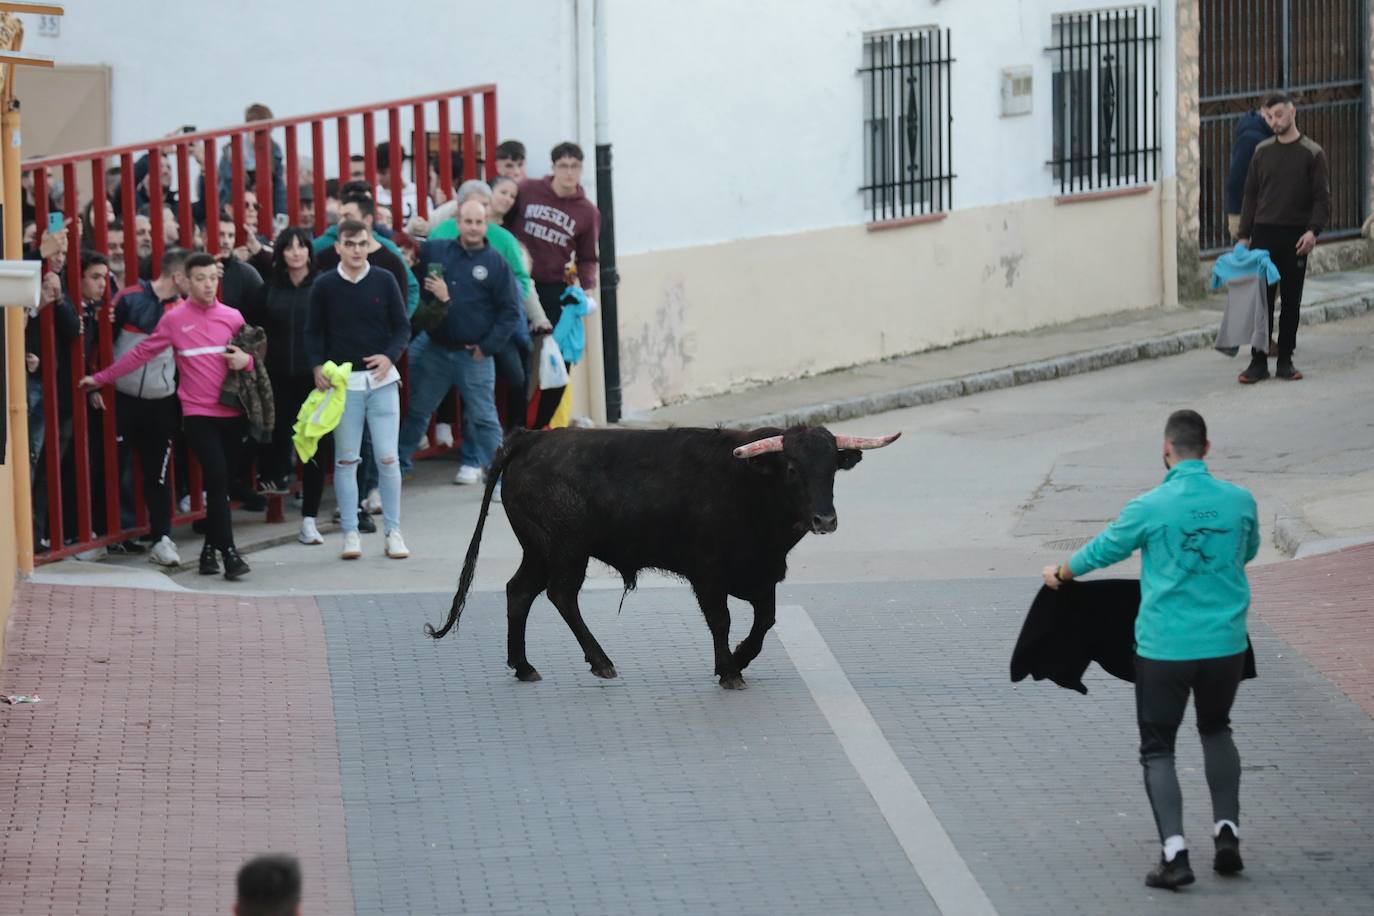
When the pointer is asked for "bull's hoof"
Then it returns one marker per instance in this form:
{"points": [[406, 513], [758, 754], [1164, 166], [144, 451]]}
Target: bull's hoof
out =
{"points": [[735, 682], [607, 672], [528, 675]]}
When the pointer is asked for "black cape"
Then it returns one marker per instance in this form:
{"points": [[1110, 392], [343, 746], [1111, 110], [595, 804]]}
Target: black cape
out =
{"points": [[1080, 623]]}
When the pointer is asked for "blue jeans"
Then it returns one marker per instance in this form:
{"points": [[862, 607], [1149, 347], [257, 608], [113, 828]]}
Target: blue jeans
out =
{"points": [[433, 370], [380, 410]]}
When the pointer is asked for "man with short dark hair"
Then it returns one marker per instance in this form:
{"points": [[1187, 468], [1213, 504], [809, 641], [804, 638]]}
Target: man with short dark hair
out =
{"points": [[1287, 205], [1195, 534], [269, 885], [357, 316], [558, 225], [199, 332], [382, 195], [146, 400], [361, 207], [510, 159]]}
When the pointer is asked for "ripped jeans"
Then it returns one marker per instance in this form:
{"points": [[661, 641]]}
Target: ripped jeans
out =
{"points": [[380, 410]]}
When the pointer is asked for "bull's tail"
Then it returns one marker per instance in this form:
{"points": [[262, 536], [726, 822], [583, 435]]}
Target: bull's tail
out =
{"points": [[498, 465]]}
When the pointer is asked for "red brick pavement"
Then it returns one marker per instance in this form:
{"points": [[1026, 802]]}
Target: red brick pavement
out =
{"points": [[179, 734], [1324, 607]]}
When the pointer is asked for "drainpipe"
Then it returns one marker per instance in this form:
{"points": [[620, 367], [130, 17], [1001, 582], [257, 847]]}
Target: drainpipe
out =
{"points": [[609, 280]]}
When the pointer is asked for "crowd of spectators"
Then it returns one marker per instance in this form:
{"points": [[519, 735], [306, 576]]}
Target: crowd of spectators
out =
{"points": [[478, 281]]}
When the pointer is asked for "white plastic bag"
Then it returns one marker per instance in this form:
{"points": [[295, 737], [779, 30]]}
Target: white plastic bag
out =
{"points": [[553, 373]]}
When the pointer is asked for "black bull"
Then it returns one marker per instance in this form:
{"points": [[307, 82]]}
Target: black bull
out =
{"points": [[719, 507]]}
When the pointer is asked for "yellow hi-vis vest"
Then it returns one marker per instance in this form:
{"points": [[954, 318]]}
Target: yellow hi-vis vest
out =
{"points": [[321, 411]]}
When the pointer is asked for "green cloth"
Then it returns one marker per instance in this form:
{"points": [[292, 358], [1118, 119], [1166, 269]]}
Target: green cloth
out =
{"points": [[412, 290], [321, 411], [1195, 534], [498, 237]]}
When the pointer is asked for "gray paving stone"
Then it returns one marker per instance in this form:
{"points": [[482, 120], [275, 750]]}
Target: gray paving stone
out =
{"points": [[1040, 789], [468, 791]]}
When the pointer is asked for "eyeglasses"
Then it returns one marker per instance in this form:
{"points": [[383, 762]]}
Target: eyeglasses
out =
{"points": [[354, 244]]}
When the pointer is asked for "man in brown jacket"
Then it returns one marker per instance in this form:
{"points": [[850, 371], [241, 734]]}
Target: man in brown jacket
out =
{"points": [[1287, 205]]}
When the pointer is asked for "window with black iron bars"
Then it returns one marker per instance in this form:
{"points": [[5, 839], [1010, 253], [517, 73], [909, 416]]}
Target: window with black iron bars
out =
{"points": [[1105, 98], [907, 123]]}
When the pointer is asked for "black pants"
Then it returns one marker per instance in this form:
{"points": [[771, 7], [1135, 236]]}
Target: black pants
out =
{"points": [[148, 426], [277, 460], [512, 365], [1281, 243], [550, 297], [217, 443], [1161, 695]]}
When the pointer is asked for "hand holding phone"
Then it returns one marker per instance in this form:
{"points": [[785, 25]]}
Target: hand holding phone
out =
{"points": [[56, 221]]}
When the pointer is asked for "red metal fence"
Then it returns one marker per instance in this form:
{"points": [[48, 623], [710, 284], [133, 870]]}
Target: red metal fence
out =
{"points": [[474, 131]]}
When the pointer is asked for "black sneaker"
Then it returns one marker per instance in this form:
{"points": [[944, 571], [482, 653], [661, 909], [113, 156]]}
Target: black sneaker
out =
{"points": [[1171, 875], [1287, 371], [365, 523], [269, 487], [1227, 861], [235, 567], [127, 548], [252, 502], [1257, 371], [209, 563]]}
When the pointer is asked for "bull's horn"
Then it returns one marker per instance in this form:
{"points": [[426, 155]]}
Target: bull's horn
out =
{"points": [[759, 447], [864, 442]]}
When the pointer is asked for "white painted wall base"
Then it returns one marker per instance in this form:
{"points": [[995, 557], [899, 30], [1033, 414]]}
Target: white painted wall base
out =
{"points": [[704, 320]]}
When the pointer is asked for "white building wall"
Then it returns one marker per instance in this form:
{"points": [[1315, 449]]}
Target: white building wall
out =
{"points": [[737, 129], [735, 120]]}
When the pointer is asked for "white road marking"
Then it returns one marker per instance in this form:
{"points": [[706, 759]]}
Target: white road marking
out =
{"points": [[938, 864]]}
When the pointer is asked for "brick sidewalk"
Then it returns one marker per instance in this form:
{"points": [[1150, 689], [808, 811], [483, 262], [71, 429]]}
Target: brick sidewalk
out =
{"points": [[179, 734], [1324, 607]]}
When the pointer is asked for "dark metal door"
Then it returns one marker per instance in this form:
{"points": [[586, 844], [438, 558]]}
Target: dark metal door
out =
{"points": [[1317, 49]]}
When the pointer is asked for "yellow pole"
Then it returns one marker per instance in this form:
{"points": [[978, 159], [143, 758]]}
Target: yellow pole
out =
{"points": [[17, 376]]}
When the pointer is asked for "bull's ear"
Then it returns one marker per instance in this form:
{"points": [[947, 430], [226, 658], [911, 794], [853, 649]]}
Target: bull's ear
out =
{"points": [[848, 458]]}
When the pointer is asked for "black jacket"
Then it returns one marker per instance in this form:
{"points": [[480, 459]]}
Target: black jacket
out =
{"points": [[1080, 623], [281, 311], [1251, 130]]}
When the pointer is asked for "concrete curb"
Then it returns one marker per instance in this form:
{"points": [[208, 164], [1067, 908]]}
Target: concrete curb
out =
{"points": [[1027, 373], [1291, 530]]}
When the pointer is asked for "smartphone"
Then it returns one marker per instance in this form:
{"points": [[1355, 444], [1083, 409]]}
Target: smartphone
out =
{"points": [[434, 270], [55, 222]]}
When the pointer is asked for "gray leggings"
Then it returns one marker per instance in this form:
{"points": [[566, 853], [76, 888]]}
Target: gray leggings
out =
{"points": [[1161, 695]]}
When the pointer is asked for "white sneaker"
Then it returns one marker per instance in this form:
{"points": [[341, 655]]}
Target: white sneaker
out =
{"points": [[164, 553], [373, 504], [184, 504], [443, 435], [353, 546], [467, 474], [90, 556], [396, 547], [309, 533], [423, 443]]}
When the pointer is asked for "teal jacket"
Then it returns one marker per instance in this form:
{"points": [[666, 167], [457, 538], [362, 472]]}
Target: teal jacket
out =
{"points": [[1195, 534], [1243, 262], [331, 235]]}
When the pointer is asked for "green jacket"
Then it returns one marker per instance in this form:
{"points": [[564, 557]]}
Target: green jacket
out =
{"points": [[500, 238], [331, 235], [322, 410], [1195, 534]]}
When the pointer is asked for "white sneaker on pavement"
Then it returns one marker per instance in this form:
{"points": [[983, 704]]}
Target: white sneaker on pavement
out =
{"points": [[309, 533], [396, 547], [443, 435], [467, 474], [424, 442], [353, 546], [373, 503], [164, 553]]}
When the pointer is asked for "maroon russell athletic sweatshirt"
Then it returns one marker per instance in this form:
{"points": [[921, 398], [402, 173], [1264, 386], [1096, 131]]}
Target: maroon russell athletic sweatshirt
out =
{"points": [[553, 228]]}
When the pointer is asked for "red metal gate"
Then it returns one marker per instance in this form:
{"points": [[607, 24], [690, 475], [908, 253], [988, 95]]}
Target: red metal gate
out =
{"points": [[473, 134]]}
